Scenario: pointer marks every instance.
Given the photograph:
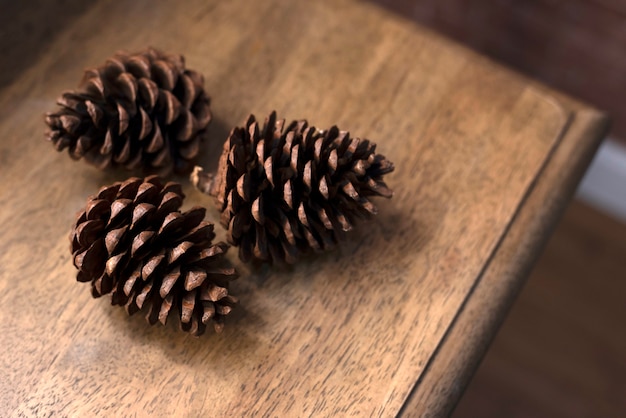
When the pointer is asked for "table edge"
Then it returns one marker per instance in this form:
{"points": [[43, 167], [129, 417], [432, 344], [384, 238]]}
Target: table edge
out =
{"points": [[450, 370]]}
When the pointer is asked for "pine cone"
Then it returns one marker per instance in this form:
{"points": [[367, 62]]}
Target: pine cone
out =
{"points": [[132, 241], [285, 191], [137, 110]]}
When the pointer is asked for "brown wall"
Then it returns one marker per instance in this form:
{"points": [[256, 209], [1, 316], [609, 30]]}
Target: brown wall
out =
{"points": [[578, 46]]}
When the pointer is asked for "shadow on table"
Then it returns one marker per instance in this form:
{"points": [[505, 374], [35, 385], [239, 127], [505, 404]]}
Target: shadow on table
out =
{"points": [[28, 27]]}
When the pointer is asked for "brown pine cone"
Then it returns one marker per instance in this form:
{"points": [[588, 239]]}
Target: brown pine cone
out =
{"points": [[137, 110], [285, 190], [132, 241]]}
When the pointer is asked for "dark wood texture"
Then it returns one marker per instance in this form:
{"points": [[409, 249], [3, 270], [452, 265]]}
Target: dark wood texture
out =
{"points": [[357, 331], [560, 353], [28, 27], [574, 45]]}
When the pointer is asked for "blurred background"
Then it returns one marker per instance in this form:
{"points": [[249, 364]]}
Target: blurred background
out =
{"points": [[561, 352]]}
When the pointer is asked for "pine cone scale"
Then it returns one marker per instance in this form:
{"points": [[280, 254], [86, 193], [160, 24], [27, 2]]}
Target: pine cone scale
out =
{"points": [[117, 239], [164, 312], [165, 75], [139, 66], [148, 93], [88, 231], [189, 90], [94, 87], [89, 260], [168, 282], [127, 85], [115, 263], [194, 278]]}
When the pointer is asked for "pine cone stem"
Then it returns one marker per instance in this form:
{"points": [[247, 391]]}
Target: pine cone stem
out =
{"points": [[203, 181]]}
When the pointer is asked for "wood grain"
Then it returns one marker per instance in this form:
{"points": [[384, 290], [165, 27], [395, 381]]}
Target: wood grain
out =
{"points": [[346, 333]]}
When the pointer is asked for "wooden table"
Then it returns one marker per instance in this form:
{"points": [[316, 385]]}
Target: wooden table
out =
{"points": [[395, 321]]}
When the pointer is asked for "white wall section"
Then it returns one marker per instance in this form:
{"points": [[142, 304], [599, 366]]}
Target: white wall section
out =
{"points": [[604, 184]]}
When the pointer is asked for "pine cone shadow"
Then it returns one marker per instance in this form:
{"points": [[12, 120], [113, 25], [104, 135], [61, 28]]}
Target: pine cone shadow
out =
{"points": [[391, 237], [392, 233], [211, 147], [181, 346]]}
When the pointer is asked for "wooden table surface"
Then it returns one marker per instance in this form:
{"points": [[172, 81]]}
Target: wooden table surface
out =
{"points": [[393, 322]]}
